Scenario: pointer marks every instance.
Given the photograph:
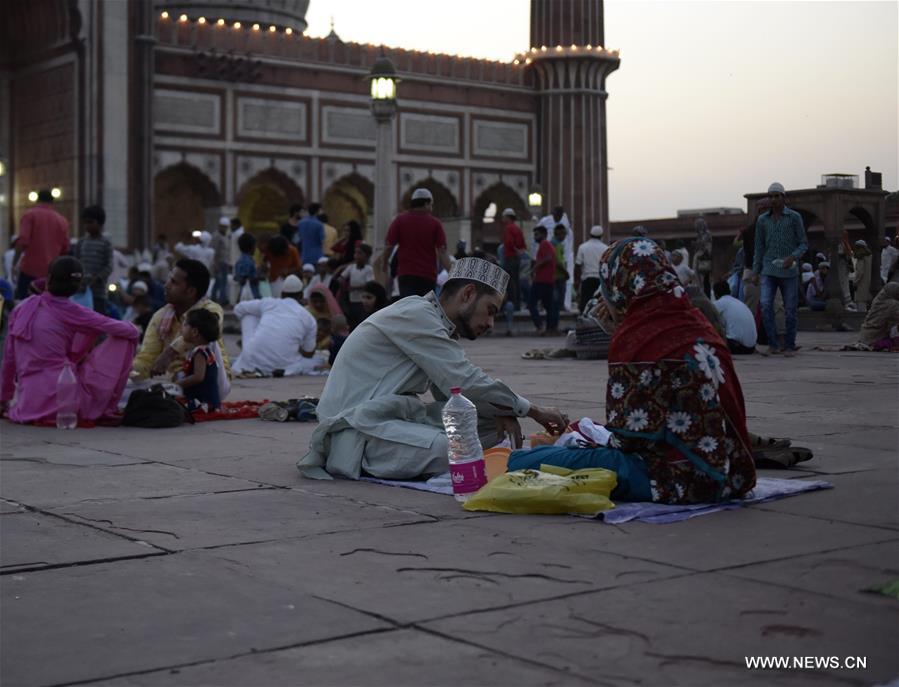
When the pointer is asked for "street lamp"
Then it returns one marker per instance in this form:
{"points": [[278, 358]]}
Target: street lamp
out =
{"points": [[535, 200], [383, 81]]}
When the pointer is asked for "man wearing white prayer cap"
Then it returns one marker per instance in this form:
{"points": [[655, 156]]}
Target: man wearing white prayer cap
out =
{"points": [[372, 419], [586, 265], [420, 243]]}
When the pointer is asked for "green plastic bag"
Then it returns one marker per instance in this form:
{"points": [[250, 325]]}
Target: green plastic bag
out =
{"points": [[549, 490]]}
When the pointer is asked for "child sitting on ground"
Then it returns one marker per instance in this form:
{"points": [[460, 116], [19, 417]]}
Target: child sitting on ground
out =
{"points": [[245, 267], [199, 378], [141, 313]]}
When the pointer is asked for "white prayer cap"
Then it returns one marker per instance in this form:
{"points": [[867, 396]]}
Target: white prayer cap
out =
{"points": [[224, 222], [144, 267], [322, 259], [205, 238], [824, 264], [309, 267], [508, 212], [807, 267], [292, 284], [861, 242], [139, 286], [776, 187], [483, 271], [821, 256], [422, 193], [596, 231]]}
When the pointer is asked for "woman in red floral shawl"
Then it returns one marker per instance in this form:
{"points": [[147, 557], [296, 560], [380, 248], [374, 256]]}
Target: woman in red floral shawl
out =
{"points": [[673, 400]]}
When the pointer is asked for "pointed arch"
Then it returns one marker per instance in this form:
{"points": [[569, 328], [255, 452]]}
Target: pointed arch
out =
{"points": [[445, 204], [502, 196], [264, 200], [182, 195], [351, 197]]}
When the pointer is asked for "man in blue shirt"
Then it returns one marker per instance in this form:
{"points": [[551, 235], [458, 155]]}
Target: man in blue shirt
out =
{"points": [[779, 244], [311, 235]]}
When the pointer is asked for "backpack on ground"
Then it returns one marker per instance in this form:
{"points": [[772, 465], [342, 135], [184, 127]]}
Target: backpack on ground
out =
{"points": [[154, 408]]}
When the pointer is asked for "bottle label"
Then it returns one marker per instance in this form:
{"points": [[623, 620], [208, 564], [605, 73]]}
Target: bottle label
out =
{"points": [[468, 477]]}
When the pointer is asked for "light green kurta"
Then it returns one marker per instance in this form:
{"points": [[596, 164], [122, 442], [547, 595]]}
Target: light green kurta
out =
{"points": [[373, 391]]}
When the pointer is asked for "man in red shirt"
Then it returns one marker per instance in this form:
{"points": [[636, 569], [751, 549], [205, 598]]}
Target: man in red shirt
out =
{"points": [[513, 246], [542, 284], [420, 242], [43, 237]]}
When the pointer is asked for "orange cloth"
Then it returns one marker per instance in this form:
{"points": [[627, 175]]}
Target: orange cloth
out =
{"points": [[283, 265]]}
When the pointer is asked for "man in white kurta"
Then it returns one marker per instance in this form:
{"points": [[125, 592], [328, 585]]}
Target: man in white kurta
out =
{"points": [[371, 417], [277, 334]]}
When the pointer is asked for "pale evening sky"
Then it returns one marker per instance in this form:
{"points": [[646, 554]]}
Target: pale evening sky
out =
{"points": [[713, 99]]}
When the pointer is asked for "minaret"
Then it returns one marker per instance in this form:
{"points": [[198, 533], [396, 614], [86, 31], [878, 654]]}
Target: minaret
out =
{"points": [[571, 63]]}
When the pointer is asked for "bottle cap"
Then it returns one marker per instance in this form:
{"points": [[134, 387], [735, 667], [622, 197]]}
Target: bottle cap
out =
{"points": [[456, 390]]}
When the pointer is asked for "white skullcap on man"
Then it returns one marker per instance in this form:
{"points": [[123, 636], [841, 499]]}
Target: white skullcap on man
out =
{"points": [[509, 212], [292, 284], [419, 193], [309, 267], [596, 231], [776, 187], [483, 271], [205, 238], [323, 259], [139, 286], [224, 222], [861, 242]]}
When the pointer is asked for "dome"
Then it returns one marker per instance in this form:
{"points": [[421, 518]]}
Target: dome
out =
{"points": [[281, 13]]}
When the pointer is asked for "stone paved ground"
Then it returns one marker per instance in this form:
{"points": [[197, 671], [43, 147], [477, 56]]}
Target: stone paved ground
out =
{"points": [[197, 556]]}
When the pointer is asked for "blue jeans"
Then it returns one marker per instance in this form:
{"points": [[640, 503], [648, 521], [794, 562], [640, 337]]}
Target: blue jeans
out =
{"points": [[220, 290], [544, 293], [633, 479], [789, 291]]}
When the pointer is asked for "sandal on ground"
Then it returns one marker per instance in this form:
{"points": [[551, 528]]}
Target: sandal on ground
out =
{"points": [[533, 354], [760, 442], [782, 458]]}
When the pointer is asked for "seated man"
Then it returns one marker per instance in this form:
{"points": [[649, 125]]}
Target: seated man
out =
{"points": [[816, 293], [277, 333], [371, 419], [162, 351], [882, 316], [48, 330], [739, 323]]}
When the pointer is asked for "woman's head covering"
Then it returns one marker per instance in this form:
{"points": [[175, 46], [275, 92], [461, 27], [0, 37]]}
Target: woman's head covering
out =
{"points": [[332, 309], [634, 269]]}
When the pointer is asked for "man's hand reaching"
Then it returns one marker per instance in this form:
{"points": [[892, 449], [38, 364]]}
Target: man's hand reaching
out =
{"points": [[552, 419]]}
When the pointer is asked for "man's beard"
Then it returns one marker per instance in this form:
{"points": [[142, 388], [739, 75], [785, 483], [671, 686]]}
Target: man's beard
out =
{"points": [[464, 324]]}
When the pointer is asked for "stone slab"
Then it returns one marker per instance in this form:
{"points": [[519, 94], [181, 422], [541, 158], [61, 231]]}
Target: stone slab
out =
{"points": [[417, 572], [152, 613], [706, 543], [237, 517], [62, 454], [844, 574], [622, 636], [862, 498], [34, 540], [51, 486], [400, 658]]}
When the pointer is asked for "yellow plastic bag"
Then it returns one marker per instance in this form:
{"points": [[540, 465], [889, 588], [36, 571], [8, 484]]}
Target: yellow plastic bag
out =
{"points": [[549, 490]]}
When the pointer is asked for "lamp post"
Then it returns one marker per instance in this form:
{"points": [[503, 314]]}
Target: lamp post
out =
{"points": [[535, 202], [383, 108]]}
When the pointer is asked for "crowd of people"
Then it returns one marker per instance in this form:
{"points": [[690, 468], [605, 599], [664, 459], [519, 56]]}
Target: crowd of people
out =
{"points": [[312, 300]]}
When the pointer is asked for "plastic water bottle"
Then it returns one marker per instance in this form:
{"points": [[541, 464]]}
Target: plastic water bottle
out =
{"points": [[466, 457], [778, 263], [66, 398]]}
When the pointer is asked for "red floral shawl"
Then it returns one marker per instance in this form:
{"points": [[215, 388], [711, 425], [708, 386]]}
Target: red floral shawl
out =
{"points": [[661, 331]]}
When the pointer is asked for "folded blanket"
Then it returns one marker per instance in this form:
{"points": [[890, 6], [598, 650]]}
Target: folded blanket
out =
{"points": [[766, 489]]}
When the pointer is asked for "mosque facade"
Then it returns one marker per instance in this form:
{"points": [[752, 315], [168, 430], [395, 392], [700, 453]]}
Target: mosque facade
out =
{"points": [[170, 113]]}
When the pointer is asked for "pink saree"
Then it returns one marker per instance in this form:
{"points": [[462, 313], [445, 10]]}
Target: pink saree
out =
{"points": [[46, 330]]}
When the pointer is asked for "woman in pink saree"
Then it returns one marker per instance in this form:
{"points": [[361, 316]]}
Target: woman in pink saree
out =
{"points": [[48, 329]]}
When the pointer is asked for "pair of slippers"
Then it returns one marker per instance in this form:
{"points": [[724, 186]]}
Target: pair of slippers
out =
{"points": [[777, 452]]}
